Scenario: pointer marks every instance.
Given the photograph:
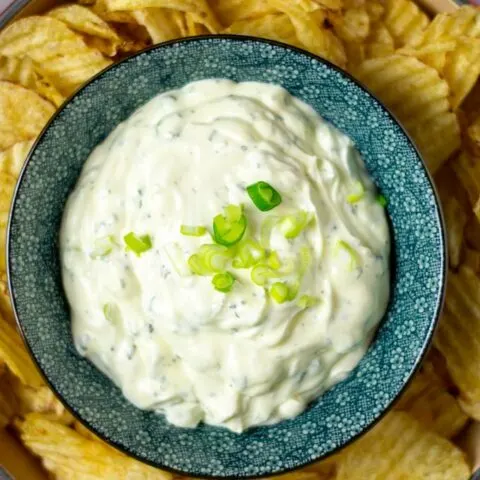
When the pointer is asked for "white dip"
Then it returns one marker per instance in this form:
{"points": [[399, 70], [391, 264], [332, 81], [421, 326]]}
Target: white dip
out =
{"points": [[166, 336]]}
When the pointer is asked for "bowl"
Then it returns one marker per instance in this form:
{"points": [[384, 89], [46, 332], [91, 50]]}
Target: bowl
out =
{"points": [[418, 259]]}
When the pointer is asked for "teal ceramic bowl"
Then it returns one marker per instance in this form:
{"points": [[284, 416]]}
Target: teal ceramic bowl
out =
{"points": [[418, 259]]}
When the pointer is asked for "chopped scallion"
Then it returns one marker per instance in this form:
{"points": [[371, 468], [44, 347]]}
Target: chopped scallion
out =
{"points": [[103, 246], [264, 196], [249, 254], [382, 200], [192, 231], [209, 259], [351, 252], [228, 229], [260, 274], [279, 292], [137, 244], [307, 301], [223, 282], [358, 194], [293, 225], [111, 312]]}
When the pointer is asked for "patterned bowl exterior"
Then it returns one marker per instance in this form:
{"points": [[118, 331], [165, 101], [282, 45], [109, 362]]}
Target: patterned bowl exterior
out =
{"points": [[418, 276]]}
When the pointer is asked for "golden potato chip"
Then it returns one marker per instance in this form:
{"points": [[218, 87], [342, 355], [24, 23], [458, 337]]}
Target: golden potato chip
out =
{"points": [[5, 306], [194, 25], [275, 27], [401, 448], [62, 53], [12, 159], [456, 220], [375, 10], [231, 11], [84, 431], [23, 114], [467, 170], [353, 25], [471, 259], [379, 43], [14, 354], [428, 401], [158, 22], [458, 334], [442, 47], [25, 72], [405, 21], [8, 402], [68, 455], [314, 38], [199, 7], [473, 137], [100, 8], [419, 97], [89, 24]]}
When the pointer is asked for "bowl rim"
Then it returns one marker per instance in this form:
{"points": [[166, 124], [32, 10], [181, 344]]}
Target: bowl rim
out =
{"points": [[437, 203]]}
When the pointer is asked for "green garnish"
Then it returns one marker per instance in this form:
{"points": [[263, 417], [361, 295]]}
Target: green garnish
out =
{"points": [[264, 196], [307, 301], [137, 244], [192, 231], [273, 261], [260, 274], [111, 312], [249, 254], [103, 246], [209, 259], [305, 259], [223, 282], [352, 253], [293, 225], [358, 195], [382, 200], [228, 229], [279, 292]]}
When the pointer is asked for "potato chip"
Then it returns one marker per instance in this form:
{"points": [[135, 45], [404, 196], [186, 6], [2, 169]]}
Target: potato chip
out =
{"points": [[401, 448], [84, 431], [25, 72], [462, 68], [314, 38], [458, 334], [5, 305], [68, 455], [375, 10], [467, 170], [62, 53], [456, 220], [419, 97], [13, 353], [100, 8], [158, 22], [12, 159], [471, 259], [8, 402], [194, 25], [199, 7], [379, 43], [353, 25], [231, 11], [473, 137], [428, 401], [23, 114], [405, 21], [90, 25], [275, 27]]}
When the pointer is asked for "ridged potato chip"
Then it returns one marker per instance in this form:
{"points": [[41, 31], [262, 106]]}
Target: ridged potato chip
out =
{"points": [[159, 23], [467, 169], [231, 11], [427, 400], [8, 402], [353, 25], [313, 36], [405, 21], [420, 98], [473, 137], [5, 305], [62, 53], [26, 73], [93, 28], [401, 448], [23, 114], [14, 354], [275, 27], [12, 159], [471, 259], [201, 8], [458, 334], [70, 456], [462, 68]]}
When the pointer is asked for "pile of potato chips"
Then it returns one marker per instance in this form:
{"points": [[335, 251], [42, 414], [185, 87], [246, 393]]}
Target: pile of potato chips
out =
{"points": [[426, 70]]}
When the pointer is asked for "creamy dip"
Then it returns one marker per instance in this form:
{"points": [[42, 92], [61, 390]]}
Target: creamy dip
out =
{"points": [[164, 335]]}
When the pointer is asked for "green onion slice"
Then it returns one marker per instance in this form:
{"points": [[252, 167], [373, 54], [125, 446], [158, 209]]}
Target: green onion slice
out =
{"points": [[260, 274], [209, 259], [273, 261], [292, 225], [382, 200], [264, 196], [103, 246], [223, 282], [279, 292], [192, 231], [249, 254], [137, 244], [358, 194], [352, 253], [228, 229], [111, 312], [307, 301]]}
